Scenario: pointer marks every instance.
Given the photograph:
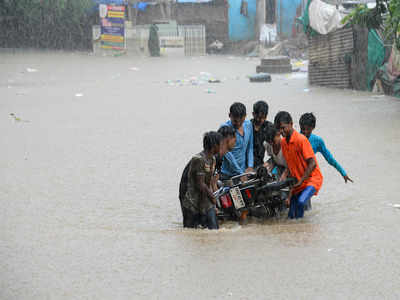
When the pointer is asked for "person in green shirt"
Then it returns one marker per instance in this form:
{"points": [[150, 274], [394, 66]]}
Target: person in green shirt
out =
{"points": [[199, 201]]}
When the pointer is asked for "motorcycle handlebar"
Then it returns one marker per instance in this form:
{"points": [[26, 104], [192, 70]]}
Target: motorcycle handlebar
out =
{"points": [[275, 186], [244, 174], [235, 180], [221, 191]]}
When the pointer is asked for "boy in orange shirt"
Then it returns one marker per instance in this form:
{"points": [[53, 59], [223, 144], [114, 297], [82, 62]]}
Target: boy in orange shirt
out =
{"points": [[302, 164]]}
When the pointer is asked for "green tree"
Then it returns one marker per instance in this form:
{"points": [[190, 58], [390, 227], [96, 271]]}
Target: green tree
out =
{"points": [[55, 24], [385, 14]]}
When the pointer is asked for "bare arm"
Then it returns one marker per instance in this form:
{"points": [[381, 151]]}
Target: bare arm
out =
{"points": [[205, 189], [284, 175], [311, 164], [289, 197], [250, 152], [214, 181]]}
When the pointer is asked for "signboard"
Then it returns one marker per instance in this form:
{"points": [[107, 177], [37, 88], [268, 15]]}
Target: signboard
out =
{"points": [[112, 20]]}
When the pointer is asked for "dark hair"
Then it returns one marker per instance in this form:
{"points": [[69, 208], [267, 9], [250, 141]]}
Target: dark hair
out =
{"points": [[308, 119], [270, 133], [260, 107], [282, 117], [211, 139], [237, 110], [227, 131]]}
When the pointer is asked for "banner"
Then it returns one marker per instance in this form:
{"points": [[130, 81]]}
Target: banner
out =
{"points": [[112, 19]]}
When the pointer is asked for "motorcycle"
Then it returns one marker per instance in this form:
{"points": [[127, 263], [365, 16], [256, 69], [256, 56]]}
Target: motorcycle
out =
{"points": [[261, 194]]}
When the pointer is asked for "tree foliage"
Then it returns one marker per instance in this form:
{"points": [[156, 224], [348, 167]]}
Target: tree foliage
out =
{"points": [[52, 24], [386, 14]]}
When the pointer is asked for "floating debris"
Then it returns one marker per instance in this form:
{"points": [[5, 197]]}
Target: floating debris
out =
{"points": [[208, 91], [261, 77], [298, 75], [118, 54], [17, 119], [194, 80], [31, 70]]}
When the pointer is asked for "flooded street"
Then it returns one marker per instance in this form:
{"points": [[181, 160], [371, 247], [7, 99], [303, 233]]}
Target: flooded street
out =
{"points": [[90, 163]]}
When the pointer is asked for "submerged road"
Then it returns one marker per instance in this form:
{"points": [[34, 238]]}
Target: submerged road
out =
{"points": [[90, 163]]}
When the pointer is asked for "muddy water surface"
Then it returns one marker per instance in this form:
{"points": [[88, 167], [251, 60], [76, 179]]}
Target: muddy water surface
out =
{"points": [[90, 165]]}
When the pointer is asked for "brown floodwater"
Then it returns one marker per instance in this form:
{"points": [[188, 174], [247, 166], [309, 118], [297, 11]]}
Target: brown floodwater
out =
{"points": [[90, 164]]}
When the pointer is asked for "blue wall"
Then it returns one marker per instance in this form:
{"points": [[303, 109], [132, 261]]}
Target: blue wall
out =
{"points": [[240, 27], [287, 12]]}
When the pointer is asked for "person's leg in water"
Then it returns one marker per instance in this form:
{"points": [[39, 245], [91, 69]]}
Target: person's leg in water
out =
{"points": [[299, 201], [210, 219], [190, 219], [293, 206], [308, 205], [183, 211]]}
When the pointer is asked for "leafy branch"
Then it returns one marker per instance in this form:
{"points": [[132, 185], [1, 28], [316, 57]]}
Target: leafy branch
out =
{"points": [[55, 24], [385, 14]]}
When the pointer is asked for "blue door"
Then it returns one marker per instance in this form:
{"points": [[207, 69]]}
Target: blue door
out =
{"points": [[287, 13], [242, 28]]}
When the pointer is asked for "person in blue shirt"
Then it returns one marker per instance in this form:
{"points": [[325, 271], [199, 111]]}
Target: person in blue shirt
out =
{"points": [[307, 125], [241, 158]]}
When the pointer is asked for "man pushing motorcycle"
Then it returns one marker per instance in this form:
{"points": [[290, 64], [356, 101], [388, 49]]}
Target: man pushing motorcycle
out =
{"points": [[301, 163], [192, 216], [241, 159]]}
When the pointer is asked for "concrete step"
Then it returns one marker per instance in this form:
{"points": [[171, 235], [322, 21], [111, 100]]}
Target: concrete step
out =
{"points": [[274, 68], [275, 60]]}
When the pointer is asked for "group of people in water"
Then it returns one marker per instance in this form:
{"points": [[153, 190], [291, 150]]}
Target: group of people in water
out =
{"points": [[239, 147]]}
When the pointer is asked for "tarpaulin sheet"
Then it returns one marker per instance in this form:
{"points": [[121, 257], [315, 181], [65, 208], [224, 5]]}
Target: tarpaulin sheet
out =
{"points": [[140, 6], [323, 17], [376, 56], [389, 74], [305, 20]]}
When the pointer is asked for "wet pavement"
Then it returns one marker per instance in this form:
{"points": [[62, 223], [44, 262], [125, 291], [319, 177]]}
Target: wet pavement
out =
{"points": [[90, 166]]}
